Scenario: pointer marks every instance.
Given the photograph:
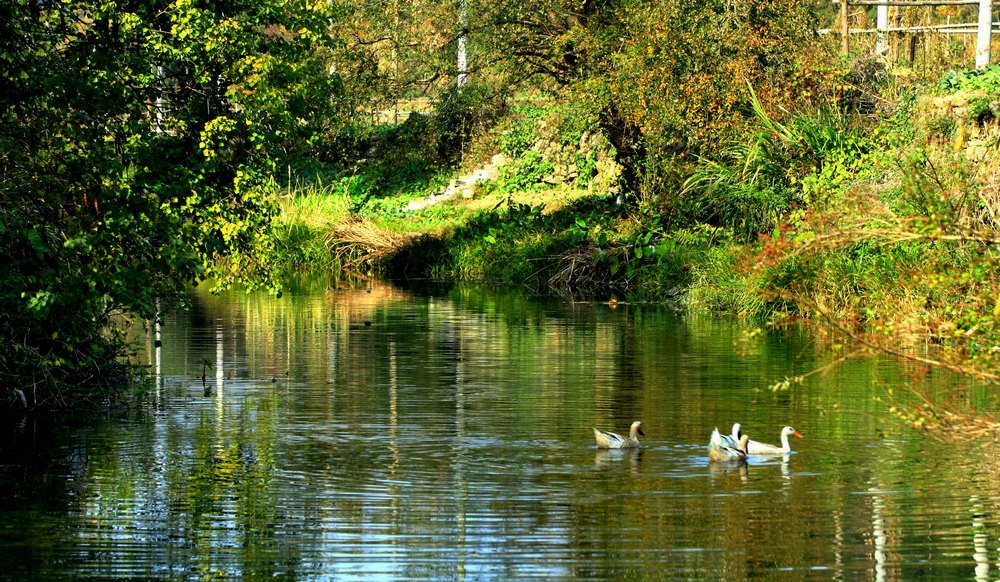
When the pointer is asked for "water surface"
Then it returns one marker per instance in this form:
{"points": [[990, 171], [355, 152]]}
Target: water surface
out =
{"points": [[374, 432]]}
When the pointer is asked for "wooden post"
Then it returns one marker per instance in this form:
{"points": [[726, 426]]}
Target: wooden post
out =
{"points": [[983, 33], [882, 24], [911, 48], [843, 27]]}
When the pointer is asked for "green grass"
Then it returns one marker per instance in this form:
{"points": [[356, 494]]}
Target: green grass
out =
{"points": [[306, 214]]}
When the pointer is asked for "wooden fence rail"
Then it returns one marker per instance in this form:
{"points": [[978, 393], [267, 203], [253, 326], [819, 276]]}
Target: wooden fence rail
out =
{"points": [[984, 27], [912, 2]]}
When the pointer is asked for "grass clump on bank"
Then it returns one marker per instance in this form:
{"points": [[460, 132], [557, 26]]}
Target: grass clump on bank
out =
{"points": [[305, 212]]}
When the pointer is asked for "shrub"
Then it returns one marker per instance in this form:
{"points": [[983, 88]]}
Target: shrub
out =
{"points": [[986, 79], [518, 138], [525, 173], [751, 187]]}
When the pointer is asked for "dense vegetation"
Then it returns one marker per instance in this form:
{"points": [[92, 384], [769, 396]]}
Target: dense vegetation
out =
{"points": [[137, 150], [719, 154]]}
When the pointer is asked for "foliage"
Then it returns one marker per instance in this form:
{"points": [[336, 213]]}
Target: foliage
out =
{"points": [[525, 173], [985, 79], [516, 140], [135, 145], [659, 76], [719, 283], [395, 52], [458, 113], [753, 187], [943, 126], [921, 267], [412, 159]]}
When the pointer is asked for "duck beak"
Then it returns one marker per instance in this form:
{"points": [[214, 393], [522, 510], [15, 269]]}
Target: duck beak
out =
{"points": [[642, 432], [796, 433]]}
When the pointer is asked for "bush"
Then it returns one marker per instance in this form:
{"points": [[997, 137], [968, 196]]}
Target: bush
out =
{"points": [[457, 115], [986, 79], [752, 187], [525, 173], [518, 138]]}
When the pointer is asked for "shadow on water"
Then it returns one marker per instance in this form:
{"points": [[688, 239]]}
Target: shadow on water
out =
{"points": [[356, 429]]}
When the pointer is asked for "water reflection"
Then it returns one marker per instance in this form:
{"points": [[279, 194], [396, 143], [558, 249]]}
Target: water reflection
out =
{"points": [[724, 472], [450, 438], [879, 536], [613, 458], [980, 538]]}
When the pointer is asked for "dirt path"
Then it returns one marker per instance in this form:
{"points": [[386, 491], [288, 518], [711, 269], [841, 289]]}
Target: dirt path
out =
{"points": [[463, 185]]}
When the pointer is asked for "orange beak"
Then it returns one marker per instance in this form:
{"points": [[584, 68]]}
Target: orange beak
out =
{"points": [[796, 433]]}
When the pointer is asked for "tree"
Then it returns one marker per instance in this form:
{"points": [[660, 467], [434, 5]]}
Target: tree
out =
{"points": [[664, 78], [136, 146], [403, 49]]}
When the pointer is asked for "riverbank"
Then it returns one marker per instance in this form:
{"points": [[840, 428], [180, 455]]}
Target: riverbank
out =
{"points": [[880, 227], [689, 132]]}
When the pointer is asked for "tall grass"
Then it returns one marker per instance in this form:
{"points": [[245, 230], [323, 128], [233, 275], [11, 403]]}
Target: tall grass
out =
{"points": [[719, 283], [307, 212], [754, 183]]}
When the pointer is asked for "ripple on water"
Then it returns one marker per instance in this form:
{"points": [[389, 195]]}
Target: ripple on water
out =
{"points": [[452, 439]]}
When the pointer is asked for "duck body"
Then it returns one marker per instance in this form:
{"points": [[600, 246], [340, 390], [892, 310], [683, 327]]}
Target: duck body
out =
{"points": [[758, 448], [611, 440], [725, 448]]}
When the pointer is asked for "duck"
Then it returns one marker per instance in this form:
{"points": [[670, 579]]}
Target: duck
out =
{"points": [[611, 440], [725, 448], [758, 448]]}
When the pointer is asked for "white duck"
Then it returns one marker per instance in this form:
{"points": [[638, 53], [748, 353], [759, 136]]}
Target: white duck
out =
{"points": [[611, 440], [758, 448], [725, 448]]}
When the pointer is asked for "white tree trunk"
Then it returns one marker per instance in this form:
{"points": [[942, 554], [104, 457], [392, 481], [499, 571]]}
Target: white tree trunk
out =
{"points": [[463, 40]]}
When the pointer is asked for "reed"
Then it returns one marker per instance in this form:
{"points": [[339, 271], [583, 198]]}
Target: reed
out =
{"points": [[306, 213]]}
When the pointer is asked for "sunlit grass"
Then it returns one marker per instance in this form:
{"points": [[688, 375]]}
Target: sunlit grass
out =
{"points": [[315, 205], [307, 212]]}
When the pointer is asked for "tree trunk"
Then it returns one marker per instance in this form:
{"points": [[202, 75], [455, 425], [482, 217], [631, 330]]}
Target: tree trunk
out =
{"points": [[630, 151], [463, 56]]}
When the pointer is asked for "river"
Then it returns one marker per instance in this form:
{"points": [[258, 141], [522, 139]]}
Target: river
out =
{"points": [[368, 431]]}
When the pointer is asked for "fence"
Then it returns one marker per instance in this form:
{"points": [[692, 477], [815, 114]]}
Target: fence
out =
{"points": [[984, 27]]}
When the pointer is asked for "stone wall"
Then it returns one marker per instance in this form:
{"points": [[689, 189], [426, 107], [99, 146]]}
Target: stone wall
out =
{"points": [[599, 171], [968, 122]]}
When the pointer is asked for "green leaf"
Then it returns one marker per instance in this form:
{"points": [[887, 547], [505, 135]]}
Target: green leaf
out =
{"points": [[35, 240]]}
